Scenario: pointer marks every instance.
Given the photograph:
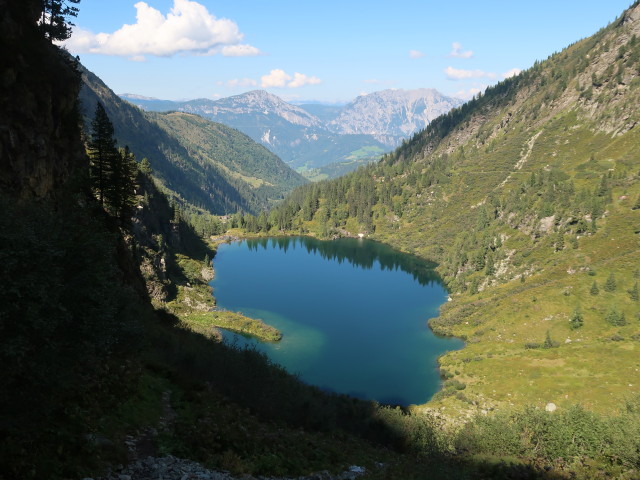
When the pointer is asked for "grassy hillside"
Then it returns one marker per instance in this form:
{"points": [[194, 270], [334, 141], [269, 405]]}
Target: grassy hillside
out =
{"points": [[240, 159], [526, 196], [205, 164]]}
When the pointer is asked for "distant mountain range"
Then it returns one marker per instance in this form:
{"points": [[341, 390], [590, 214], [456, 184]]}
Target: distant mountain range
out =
{"points": [[319, 140]]}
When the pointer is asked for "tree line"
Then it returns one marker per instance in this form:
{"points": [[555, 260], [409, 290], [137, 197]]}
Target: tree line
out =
{"points": [[113, 171]]}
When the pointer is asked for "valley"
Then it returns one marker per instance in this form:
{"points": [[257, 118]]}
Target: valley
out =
{"points": [[507, 230], [337, 140], [525, 197]]}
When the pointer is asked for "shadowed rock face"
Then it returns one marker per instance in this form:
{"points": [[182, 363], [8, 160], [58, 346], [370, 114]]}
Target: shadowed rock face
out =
{"points": [[40, 142]]}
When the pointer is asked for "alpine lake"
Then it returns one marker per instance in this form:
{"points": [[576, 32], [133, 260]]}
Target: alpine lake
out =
{"points": [[353, 313]]}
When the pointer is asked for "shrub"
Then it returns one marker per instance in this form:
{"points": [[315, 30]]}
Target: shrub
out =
{"points": [[548, 342], [610, 284], [615, 318], [576, 321]]}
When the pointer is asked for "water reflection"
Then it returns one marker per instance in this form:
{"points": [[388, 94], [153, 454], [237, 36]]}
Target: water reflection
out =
{"points": [[359, 252], [353, 313]]}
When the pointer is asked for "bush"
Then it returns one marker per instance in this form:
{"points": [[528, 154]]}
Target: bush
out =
{"points": [[610, 284], [565, 438], [576, 321], [615, 318], [549, 342]]}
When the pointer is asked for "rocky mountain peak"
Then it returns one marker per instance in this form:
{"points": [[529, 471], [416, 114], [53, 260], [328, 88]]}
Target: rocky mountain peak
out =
{"points": [[391, 115], [261, 101]]}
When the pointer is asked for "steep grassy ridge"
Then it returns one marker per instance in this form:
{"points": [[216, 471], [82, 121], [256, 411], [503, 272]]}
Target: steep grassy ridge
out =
{"points": [[526, 196], [239, 158], [208, 165]]}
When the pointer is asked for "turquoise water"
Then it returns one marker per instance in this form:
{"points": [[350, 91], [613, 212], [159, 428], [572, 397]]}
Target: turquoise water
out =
{"points": [[353, 313]]}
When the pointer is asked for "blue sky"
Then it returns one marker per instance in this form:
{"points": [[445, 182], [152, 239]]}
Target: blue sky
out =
{"points": [[329, 51]]}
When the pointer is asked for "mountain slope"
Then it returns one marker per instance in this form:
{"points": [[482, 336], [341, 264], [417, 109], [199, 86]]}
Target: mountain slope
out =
{"points": [[210, 166], [266, 108], [392, 115], [528, 196], [239, 157], [292, 133], [345, 136]]}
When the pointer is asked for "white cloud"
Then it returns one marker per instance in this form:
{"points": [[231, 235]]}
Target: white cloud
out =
{"points": [[280, 79], [416, 54], [511, 73], [188, 28], [457, 74], [300, 79], [276, 78], [239, 82], [456, 51]]}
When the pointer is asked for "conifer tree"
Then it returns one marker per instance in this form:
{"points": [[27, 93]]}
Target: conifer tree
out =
{"points": [[113, 172], [145, 166], [121, 185], [594, 289], [54, 21], [576, 321], [615, 318], [548, 342], [610, 284], [633, 292], [102, 152]]}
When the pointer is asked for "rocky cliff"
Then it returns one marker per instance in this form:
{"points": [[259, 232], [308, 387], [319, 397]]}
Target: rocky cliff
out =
{"points": [[40, 142], [392, 115]]}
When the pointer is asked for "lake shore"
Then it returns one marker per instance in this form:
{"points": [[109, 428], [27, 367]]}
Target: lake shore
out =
{"points": [[317, 333], [207, 322]]}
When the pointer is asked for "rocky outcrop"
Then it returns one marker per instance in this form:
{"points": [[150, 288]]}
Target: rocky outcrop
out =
{"points": [[40, 144]]}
